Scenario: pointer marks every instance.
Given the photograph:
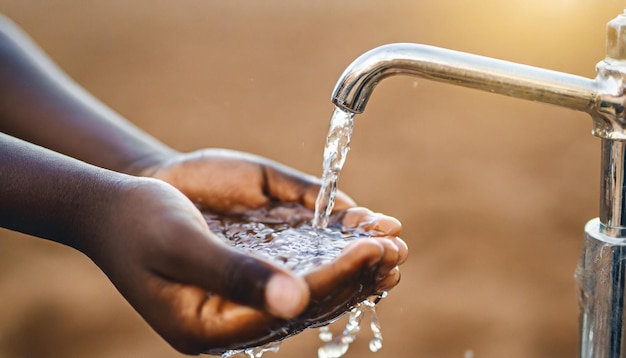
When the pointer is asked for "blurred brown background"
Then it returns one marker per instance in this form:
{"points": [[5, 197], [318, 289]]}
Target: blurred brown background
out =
{"points": [[493, 192]]}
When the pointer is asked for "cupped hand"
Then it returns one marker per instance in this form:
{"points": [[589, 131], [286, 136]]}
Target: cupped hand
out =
{"points": [[231, 181], [203, 296]]}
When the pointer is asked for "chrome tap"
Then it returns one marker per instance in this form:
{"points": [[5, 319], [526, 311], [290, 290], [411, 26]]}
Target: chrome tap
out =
{"points": [[601, 273]]}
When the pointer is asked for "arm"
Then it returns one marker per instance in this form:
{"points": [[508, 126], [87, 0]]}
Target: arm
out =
{"points": [[41, 104], [150, 240], [49, 195]]}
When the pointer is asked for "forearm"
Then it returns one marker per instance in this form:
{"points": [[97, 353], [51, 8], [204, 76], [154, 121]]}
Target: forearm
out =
{"points": [[49, 195], [41, 104]]}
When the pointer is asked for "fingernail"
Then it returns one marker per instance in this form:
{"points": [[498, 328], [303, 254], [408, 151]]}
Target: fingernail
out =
{"points": [[285, 296]]}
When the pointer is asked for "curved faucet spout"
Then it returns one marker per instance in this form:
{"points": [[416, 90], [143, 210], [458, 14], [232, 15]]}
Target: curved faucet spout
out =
{"points": [[356, 84], [603, 97]]}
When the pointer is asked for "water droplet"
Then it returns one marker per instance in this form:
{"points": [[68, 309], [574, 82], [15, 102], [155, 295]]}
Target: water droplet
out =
{"points": [[352, 326], [375, 327], [255, 352], [325, 334], [332, 350], [376, 344], [347, 339]]}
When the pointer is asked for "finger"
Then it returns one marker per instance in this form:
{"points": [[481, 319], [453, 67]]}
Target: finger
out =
{"points": [[390, 281], [194, 322], [250, 281], [367, 220], [286, 295], [354, 217], [403, 249], [349, 279], [356, 257], [201, 259], [390, 257]]}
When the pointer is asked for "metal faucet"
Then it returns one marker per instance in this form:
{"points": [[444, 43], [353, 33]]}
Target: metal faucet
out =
{"points": [[601, 271]]}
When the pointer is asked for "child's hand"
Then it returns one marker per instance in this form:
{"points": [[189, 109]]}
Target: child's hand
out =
{"points": [[200, 294], [243, 306], [193, 289], [231, 181]]}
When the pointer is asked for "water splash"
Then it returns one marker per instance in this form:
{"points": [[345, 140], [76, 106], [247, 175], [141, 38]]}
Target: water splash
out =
{"points": [[336, 347], [335, 152], [256, 352], [333, 347]]}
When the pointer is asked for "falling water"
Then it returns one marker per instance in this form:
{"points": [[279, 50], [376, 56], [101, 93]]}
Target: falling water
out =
{"points": [[255, 352], [336, 347], [335, 152]]}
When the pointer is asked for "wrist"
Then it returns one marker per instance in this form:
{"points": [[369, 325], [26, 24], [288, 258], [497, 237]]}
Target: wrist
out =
{"points": [[146, 165], [102, 211]]}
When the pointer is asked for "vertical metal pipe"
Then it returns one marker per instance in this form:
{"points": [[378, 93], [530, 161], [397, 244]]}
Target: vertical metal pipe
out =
{"points": [[602, 266], [612, 187], [601, 271], [600, 275]]}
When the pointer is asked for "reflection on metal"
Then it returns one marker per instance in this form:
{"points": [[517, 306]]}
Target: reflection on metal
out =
{"points": [[602, 270], [600, 275]]}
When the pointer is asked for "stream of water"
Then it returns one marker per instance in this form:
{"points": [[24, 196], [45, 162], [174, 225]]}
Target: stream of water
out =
{"points": [[335, 152]]}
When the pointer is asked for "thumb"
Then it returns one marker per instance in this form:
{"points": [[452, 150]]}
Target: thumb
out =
{"points": [[240, 277], [289, 185], [251, 281]]}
